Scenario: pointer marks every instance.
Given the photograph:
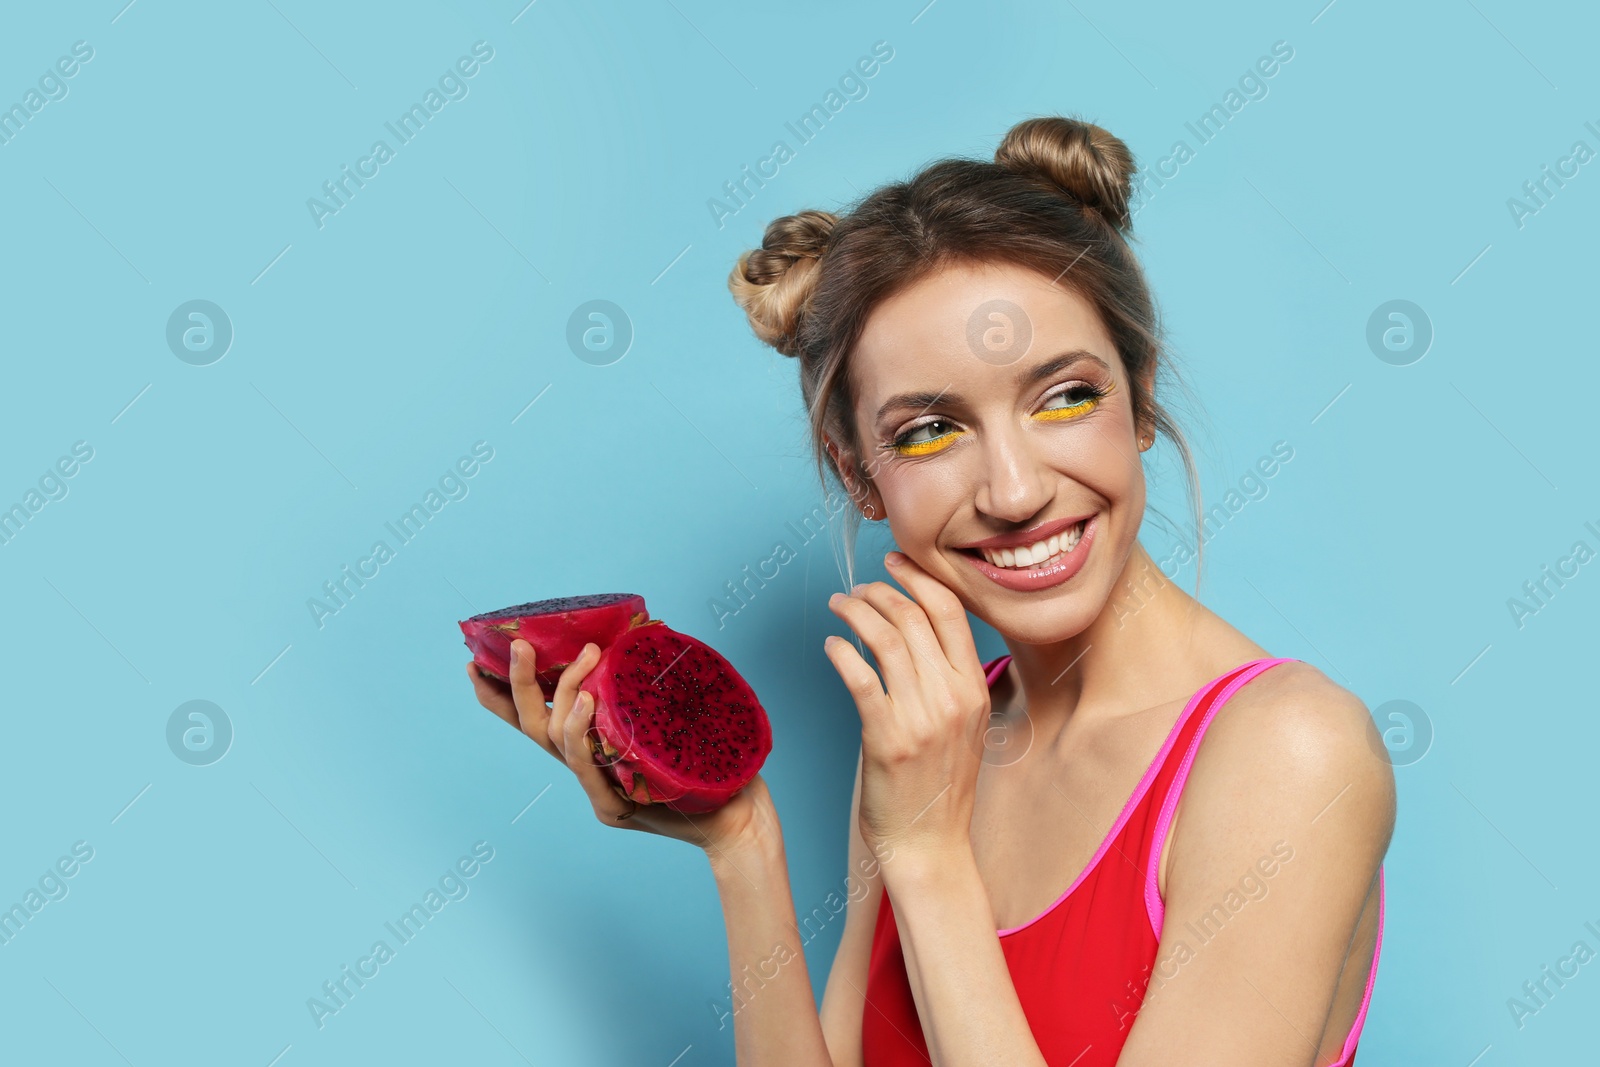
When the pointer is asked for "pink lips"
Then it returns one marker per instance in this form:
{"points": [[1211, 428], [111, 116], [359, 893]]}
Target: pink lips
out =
{"points": [[1043, 576]]}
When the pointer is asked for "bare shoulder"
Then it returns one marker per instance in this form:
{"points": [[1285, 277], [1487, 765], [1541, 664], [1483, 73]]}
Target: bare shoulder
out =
{"points": [[1292, 747], [1295, 700], [1281, 828]]}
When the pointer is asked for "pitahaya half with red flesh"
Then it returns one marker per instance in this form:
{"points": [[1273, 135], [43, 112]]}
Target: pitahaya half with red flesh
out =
{"points": [[674, 723], [557, 629]]}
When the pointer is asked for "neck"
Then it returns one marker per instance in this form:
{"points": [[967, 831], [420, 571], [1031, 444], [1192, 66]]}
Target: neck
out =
{"points": [[1138, 652]]}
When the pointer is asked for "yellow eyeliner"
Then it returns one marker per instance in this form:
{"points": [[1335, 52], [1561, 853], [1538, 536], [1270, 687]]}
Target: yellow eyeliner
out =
{"points": [[928, 448]]}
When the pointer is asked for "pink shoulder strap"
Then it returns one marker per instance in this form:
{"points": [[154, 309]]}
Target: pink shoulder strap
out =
{"points": [[1154, 905]]}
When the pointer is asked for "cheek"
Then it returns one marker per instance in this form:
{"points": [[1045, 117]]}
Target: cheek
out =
{"points": [[1101, 458], [1118, 480], [920, 498]]}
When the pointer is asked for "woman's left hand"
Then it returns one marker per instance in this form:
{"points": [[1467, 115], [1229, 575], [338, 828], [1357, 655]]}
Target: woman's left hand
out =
{"points": [[922, 737]]}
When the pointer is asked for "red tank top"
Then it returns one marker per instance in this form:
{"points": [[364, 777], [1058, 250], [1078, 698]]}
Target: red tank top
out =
{"points": [[1081, 967]]}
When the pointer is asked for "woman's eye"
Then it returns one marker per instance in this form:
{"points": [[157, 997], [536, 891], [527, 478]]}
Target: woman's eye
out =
{"points": [[928, 438], [1070, 403]]}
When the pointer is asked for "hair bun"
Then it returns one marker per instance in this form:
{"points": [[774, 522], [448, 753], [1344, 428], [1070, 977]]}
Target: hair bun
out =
{"points": [[1087, 162], [774, 282]]}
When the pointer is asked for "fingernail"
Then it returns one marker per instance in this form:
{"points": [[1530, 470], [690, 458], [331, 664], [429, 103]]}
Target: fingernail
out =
{"points": [[516, 652], [855, 589], [894, 558]]}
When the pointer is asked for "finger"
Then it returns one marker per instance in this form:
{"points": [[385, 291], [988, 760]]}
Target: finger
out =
{"points": [[907, 616], [573, 674], [887, 643], [577, 742], [943, 609], [555, 727], [566, 696], [862, 682], [533, 714], [496, 696]]}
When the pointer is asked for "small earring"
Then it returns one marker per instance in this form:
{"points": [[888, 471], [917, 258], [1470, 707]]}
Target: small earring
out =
{"points": [[872, 513], [1145, 442]]}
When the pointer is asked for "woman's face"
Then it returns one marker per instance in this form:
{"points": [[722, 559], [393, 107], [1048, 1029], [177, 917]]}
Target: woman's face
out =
{"points": [[996, 424]]}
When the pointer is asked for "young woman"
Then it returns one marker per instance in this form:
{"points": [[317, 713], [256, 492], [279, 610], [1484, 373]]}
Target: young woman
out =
{"points": [[978, 352]]}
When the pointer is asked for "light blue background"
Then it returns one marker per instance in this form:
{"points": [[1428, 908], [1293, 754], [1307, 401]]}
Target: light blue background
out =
{"points": [[425, 316]]}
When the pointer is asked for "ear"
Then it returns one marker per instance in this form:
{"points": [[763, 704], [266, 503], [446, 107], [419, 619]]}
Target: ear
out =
{"points": [[1148, 381], [861, 493]]}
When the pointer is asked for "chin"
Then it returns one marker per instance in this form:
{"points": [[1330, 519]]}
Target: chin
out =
{"points": [[1043, 624]]}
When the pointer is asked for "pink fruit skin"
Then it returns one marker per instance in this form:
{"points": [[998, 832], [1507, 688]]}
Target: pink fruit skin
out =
{"points": [[557, 637], [708, 681]]}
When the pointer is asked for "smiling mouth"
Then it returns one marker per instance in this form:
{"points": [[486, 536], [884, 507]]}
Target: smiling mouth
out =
{"points": [[1042, 553]]}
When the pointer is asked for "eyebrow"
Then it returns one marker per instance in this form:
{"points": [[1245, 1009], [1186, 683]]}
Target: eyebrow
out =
{"points": [[1047, 369]]}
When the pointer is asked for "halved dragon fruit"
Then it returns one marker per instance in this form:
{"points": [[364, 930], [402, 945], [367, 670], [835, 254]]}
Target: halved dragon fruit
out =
{"points": [[557, 629], [674, 723]]}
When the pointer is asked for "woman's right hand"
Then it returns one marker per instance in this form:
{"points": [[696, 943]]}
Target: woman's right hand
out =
{"points": [[563, 729]]}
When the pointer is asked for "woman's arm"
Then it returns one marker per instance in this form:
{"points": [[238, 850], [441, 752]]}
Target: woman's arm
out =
{"points": [[1285, 818], [845, 997], [760, 1028], [959, 978], [775, 1021], [922, 740]]}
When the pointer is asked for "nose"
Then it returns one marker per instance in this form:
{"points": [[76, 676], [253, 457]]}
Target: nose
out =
{"points": [[1014, 485]]}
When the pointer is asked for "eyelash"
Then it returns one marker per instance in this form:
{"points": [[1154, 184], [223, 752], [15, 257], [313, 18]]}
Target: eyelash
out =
{"points": [[1090, 397]]}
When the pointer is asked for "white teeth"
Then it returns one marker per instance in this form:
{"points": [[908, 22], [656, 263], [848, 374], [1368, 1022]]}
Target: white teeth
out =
{"points": [[1034, 554]]}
